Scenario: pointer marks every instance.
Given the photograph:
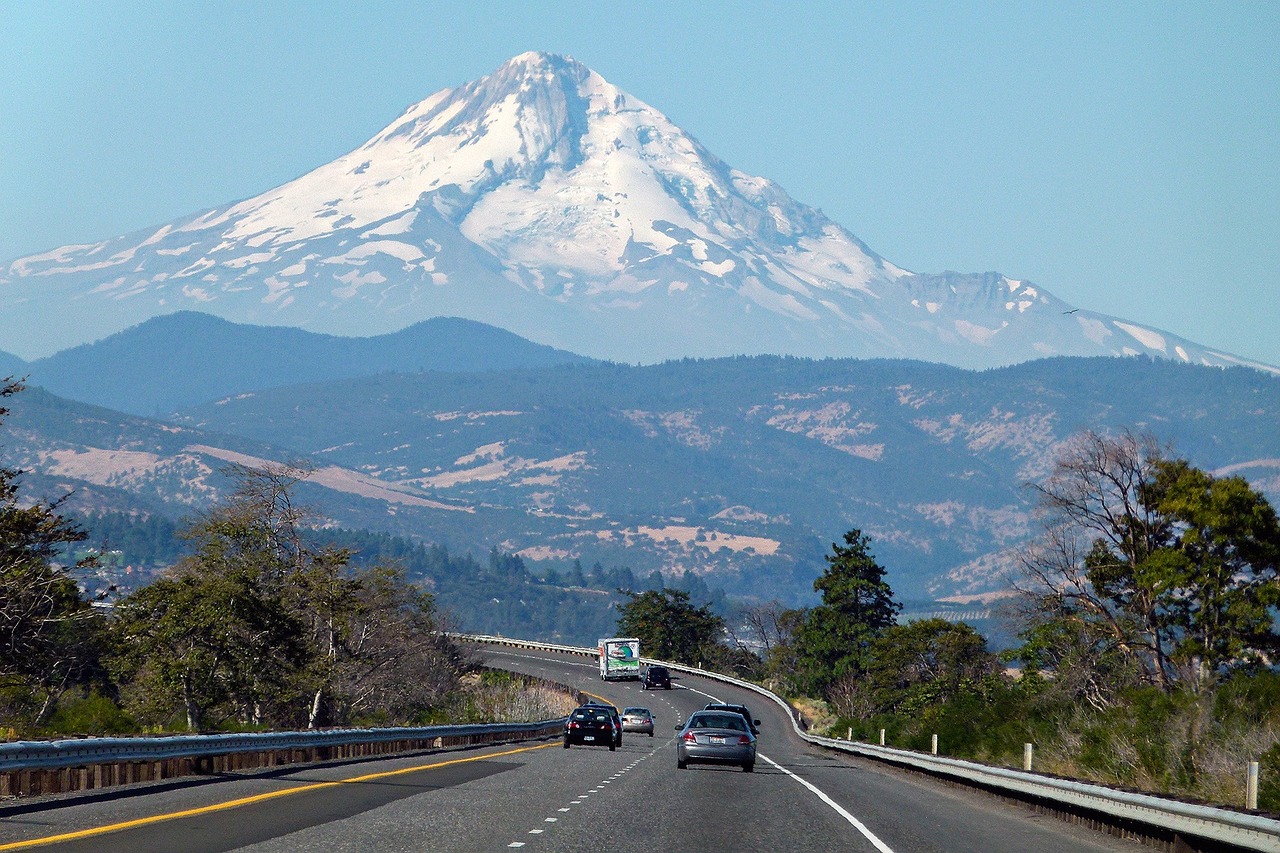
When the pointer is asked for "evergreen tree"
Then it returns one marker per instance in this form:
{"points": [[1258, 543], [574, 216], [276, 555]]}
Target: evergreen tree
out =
{"points": [[857, 605]]}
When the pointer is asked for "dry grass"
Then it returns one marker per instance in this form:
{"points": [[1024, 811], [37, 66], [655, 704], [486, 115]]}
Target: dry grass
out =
{"points": [[817, 713], [515, 701]]}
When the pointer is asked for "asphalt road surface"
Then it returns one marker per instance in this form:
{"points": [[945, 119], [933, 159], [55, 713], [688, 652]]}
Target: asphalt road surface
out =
{"points": [[538, 796]]}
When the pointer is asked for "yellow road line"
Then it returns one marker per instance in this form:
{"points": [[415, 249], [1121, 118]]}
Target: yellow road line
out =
{"points": [[257, 798]]}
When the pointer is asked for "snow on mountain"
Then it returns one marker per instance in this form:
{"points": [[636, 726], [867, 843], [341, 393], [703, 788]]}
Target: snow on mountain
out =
{"points": [[544, 200]]}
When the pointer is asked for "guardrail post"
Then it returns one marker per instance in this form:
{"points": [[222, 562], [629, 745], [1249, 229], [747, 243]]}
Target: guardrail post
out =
{"points": [[934, 747], [850, 735], [1251, 788], [882, 737], [1027, 750]]}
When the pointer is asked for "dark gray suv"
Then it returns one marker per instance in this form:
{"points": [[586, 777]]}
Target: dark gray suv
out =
{"points": [[654, 677]]}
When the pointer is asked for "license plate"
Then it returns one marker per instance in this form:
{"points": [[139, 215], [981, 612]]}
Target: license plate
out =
{"points": [[715, 739], [588, 737]]}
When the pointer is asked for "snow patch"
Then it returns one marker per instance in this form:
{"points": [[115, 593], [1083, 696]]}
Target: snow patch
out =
{"points": [[1094, 330], [355, 281], [399, 225], [1146, 337], [974, 333]]}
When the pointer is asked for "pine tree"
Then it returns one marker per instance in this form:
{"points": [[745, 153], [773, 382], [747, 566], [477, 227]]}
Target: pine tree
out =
{"points": [[857, 605]]}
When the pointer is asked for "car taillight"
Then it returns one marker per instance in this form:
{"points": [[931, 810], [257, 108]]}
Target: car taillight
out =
{"points": [[573, 725], [689, 738], [744, 741]]}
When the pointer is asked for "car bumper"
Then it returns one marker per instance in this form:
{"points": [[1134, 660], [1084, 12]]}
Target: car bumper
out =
{"points": [[716, 753], [597, 739]]}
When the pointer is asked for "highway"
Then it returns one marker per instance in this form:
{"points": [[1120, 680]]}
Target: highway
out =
{"points": [[538, 796]]}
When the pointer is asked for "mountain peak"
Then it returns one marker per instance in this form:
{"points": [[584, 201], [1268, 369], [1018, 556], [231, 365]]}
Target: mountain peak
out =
{"points": [[534, 62], [543, 199]]}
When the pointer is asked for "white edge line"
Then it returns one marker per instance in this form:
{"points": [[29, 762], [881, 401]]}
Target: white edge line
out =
{"points": [[857, 824]]}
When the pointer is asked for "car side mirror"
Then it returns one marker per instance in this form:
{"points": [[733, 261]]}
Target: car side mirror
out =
{"points": [[678, 728], [757, 722]]}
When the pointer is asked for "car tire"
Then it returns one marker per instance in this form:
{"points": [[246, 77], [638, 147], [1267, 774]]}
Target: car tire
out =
{"points": [[749, 767], [682, 765], [566, 743], [612, 748], [650, 734]]}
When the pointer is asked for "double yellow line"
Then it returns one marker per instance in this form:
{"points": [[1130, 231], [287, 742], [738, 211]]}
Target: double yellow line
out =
{"points": [[258, 798]]}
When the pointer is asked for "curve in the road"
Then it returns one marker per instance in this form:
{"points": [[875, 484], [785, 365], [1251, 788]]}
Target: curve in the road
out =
{"points": [[634, 800]]}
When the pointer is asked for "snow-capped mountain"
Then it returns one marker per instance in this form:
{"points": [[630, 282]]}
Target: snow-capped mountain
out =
{"points": [[546, 201]]}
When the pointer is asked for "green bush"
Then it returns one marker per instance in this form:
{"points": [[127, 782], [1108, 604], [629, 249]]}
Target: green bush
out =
{"points": [[90, 714]]}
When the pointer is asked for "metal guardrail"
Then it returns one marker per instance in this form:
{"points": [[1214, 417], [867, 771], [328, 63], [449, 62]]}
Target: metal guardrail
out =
{"points": [[47, 755], [1220, 825]]}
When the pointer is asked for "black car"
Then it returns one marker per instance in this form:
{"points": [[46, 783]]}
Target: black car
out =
{"points": [[654, 677], [752, 722], [613, 712], [592, 725]]}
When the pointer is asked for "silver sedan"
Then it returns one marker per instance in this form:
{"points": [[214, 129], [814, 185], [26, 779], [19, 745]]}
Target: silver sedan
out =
{"points": [[716, 737], [637, 720]]}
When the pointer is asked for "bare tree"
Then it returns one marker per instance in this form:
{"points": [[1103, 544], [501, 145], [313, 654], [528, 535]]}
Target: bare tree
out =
{"points": [[1087, 570]]}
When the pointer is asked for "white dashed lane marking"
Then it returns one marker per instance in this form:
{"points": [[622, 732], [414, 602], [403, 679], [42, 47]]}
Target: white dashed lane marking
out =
{"points": [[633, 765]]}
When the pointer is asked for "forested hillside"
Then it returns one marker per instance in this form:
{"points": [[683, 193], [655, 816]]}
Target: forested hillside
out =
{"points": [[737, 470]]}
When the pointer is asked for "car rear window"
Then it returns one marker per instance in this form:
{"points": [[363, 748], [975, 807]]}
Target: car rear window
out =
{"points": [[720, 721]]}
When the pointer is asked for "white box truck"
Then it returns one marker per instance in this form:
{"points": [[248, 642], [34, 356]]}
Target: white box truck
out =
{"points": [[619, 658]]}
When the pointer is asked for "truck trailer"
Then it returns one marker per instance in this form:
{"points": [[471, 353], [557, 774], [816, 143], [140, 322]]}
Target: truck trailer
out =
{"points": [[619, 658]]}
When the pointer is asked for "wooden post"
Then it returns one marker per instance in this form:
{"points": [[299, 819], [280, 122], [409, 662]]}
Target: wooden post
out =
{"points": [[934, 747], [882, 737], [1251, 787]]}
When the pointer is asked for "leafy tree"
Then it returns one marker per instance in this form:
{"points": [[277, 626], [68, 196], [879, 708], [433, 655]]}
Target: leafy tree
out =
{"points": [[1224, 562], [49, 636], [913, 666], [1152, 567], [393, 663], [262, 626], [857, 605], [206, 644], [669, 626]]}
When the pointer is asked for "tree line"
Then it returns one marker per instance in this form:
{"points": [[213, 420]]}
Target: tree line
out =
{"points": [[1147, 635]]}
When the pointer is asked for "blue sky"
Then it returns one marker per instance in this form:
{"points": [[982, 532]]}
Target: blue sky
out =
{"points": [[1124, 156]]}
